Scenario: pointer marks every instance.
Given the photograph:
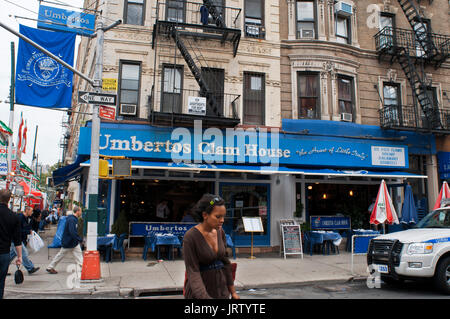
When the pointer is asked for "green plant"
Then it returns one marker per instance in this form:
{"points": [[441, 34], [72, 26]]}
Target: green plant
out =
{"points": [[306, 226], [299, 210]]}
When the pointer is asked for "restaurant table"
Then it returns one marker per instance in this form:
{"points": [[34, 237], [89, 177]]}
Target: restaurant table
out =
{"points": [[158, 240], [326, 238], [106, 242]]}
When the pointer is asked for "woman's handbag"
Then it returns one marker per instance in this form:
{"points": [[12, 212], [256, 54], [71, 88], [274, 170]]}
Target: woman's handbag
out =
{"points": [[18, 276], [35, 242]]}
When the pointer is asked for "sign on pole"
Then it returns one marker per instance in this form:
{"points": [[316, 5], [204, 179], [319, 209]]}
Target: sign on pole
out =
{"points": [[107, 112], [57, 19], [109, 84], [97, 98]]}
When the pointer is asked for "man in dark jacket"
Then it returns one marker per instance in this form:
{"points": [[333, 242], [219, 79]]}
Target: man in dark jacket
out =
{"points": [[9, 232], [25, 223], [70, 242]]}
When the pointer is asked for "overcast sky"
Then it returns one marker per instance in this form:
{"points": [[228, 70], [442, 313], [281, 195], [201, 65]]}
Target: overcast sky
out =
{"points": [[48, 121]]}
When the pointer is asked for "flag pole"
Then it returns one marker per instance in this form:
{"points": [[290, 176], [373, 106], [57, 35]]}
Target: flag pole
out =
{"points": [[10, 178]]}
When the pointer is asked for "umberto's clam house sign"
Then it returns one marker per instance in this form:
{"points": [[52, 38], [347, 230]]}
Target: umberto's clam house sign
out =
{"points": [[238, 146]]}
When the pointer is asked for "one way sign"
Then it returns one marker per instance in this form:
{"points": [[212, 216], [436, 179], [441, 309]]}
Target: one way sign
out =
{"points": [[97, 98]]}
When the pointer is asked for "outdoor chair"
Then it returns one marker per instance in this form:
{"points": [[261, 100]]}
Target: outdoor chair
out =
{"points": [[147, 245], [118, 246]]}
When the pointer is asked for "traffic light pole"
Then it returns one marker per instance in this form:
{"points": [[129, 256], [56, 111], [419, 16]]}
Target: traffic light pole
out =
{"points": [[92, 183]]}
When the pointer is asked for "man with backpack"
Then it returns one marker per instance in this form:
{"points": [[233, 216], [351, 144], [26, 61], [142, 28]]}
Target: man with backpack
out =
{"points": [[70, 242]]}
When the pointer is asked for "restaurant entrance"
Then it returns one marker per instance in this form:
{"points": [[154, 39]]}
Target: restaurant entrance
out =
{"points": [[246, 200], [139, 198]]}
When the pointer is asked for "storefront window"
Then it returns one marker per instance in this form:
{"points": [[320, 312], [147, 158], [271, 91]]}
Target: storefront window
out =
{"points": [[244, 200]]}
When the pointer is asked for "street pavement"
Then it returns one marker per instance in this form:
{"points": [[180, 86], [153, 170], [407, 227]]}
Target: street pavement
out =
{"points": [[136, 277]]}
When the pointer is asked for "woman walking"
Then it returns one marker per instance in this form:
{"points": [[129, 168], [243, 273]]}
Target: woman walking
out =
{"points": [[208, 269]]}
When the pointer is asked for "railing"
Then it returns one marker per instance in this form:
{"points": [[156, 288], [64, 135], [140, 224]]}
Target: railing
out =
{"points": [[186, 12], [413, 118], [394, 38], [182, 101]]}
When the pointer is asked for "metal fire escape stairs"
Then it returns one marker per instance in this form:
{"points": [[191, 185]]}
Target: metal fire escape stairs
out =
{"points": [[416, 81], [176, 33]]}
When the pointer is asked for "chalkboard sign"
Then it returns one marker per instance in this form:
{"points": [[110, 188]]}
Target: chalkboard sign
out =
{"points": [[292, 240]]}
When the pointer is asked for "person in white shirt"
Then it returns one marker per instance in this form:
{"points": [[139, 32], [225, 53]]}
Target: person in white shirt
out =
{"points": [[162, 211]]}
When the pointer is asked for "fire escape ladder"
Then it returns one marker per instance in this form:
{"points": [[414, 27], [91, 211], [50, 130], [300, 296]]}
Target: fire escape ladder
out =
{"points": [[204, 91], [419, 89], [418, 26]]}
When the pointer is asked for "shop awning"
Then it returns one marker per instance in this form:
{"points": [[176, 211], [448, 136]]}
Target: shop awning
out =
{"points": [[256, 169], [64, 173]]}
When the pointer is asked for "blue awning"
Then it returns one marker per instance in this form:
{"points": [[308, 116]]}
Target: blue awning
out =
{"points": [[256, 169], [64, 173]]}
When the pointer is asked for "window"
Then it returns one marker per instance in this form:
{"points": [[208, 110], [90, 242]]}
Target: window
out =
{"points": [[171, 100], [345, 94], [422, 36], [254, 101], [175, 10], [391, 100], [305, 20], [343, 29], [387, 20], [308, 95], [215, 79], [254, 19], [129, 85], [134, 12]]}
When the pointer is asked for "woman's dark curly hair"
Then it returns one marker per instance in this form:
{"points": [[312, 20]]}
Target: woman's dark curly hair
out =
{"points": [[206, 204]]}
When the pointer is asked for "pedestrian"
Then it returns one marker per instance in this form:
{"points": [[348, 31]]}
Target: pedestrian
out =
{"points": [[162, 211], [187, 217], [70, 242], [208, 269], [9, 232], [25, 224]]}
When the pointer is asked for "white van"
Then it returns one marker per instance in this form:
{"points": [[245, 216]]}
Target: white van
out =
{"points": [[421, 252]]}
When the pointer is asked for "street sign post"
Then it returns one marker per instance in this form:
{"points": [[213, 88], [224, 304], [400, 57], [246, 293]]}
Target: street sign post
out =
{"points": [[97, 98]]}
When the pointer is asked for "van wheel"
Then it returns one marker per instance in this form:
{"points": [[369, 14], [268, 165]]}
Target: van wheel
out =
{"points": [[442, 275]]}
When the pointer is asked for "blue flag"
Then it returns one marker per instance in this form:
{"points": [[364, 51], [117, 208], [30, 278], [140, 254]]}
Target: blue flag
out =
{"points": [[40, 80]]}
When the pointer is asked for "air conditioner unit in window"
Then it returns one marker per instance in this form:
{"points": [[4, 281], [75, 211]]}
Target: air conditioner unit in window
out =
{"points": [[343, 8], [127, 109], [306, 33], [347, 117]]}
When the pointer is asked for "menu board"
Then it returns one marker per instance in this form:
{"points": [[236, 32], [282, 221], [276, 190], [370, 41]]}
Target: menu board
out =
{"points": [[252, 224], [292, 240]]}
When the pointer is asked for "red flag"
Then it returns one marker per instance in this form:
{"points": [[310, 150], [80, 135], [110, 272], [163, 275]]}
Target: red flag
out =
{"points": [[24, 138], [19, 136]]}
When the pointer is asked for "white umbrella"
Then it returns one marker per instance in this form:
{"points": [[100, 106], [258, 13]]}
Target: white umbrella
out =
{"points": [[383, 211], [443, 194]]}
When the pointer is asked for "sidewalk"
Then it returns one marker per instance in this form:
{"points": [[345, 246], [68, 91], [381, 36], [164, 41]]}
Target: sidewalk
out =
{"points": [[136, 276]]}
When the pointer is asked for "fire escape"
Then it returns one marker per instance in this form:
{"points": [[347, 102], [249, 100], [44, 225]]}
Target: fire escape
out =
{"points": [[414, 50], [181, 26]]}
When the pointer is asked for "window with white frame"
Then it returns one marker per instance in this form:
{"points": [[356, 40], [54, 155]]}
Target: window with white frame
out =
{"points": [[346, 95], [306, 21], [343, 34]]}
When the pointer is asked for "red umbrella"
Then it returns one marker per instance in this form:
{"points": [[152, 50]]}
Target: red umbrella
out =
{"points": [[383, 211], [443, 194]]}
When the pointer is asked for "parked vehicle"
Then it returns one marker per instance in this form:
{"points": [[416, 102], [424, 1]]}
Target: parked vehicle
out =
{"points": [[420, 252]]}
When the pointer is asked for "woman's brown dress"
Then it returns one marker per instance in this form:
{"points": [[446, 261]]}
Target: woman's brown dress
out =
{"points": [[211, 283]]}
